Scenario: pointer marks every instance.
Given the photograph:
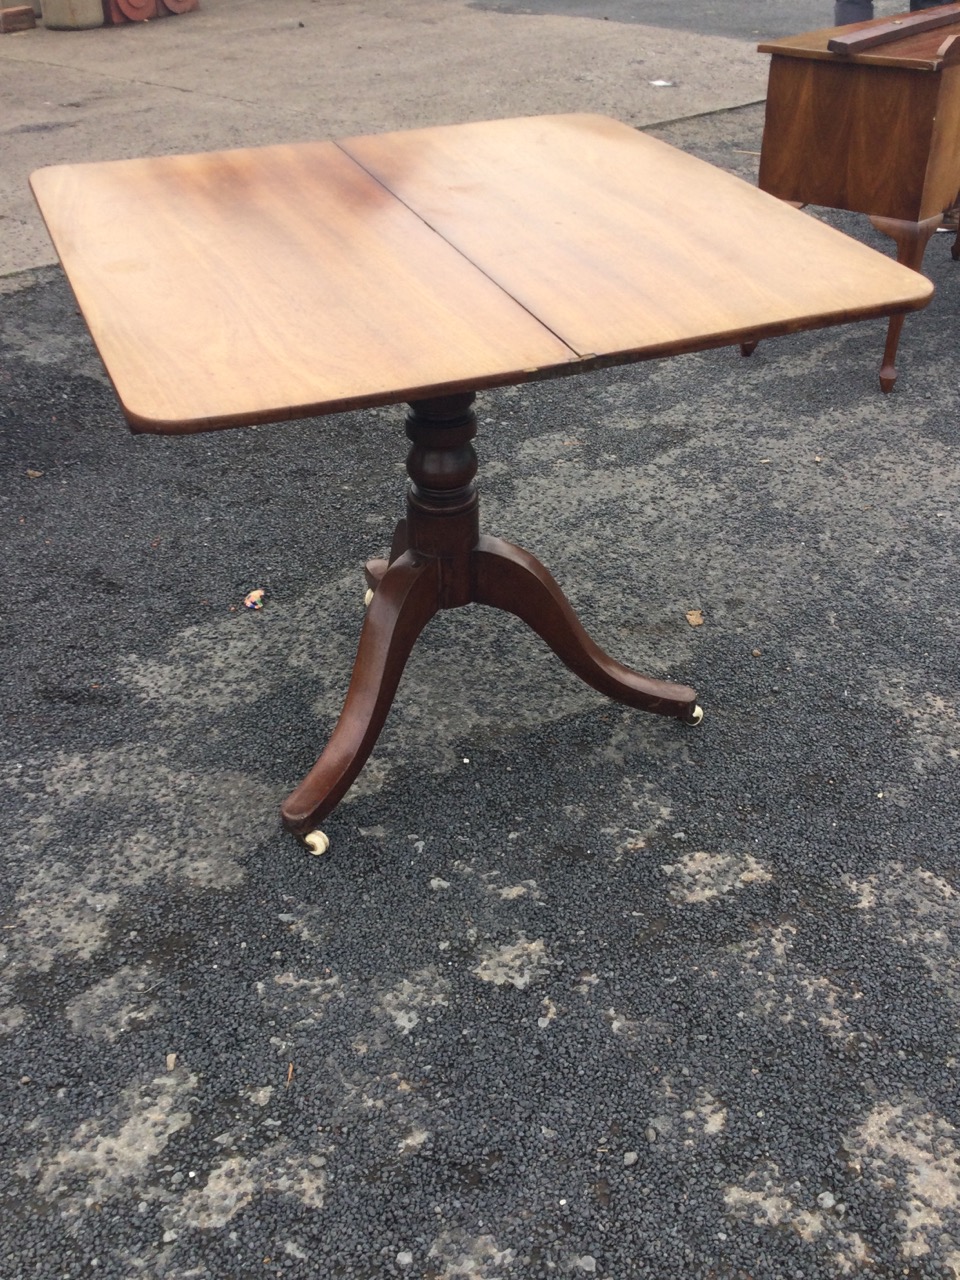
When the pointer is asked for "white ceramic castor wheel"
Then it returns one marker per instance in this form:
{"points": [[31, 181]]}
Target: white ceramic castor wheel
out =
{"points": [[696, 715], [368, 597], [317, 843]]}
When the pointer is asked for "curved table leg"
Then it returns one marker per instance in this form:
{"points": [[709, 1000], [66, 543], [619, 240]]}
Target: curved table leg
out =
{"points": [[911, 239], [374, 570], [509, 578], [404, 602], [439, 560]]}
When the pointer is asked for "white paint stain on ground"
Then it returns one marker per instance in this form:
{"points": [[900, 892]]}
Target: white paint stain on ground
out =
{"points": [[516, 964], [917, 909], [106, 1156], [217, 666], [278, 1170], [909, 1147], [61, 914], [782, 987], [115, 1005], [456, 1255], [412, 996], [511, 892], [622, 1025], [12, 1015], [765, 1200], [63, 905], [651, 810], [586, 981], [699, 876], [709, 1114], [230, 1186], [312, 924], [412, 1141], [686, 1115], [931, 720], [550, 1012], [304, 999], [196, 838]]}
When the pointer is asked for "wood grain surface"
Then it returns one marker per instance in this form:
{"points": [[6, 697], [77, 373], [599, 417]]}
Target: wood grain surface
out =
{"points": [[914, 50], [873, 138], [847, 42], [849, 136], [625, 246], [258, 285]]}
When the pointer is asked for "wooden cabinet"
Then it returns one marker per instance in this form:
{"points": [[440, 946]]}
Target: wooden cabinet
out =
{"points": [[867, 118]]}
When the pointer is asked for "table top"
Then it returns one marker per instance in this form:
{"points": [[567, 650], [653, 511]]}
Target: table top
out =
{"points": [[253, 286], [913, 51]]}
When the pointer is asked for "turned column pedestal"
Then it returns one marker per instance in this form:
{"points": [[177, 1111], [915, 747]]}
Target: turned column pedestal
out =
{"points": [[439, 559]]}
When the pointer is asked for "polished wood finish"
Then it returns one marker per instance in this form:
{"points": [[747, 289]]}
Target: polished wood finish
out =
{"points": [[894, 31], [256, 286], [876, 132], [324, 276], [911, 239], [252, 286], [873, 139], [600, 232], [440, 560], [914, 50]]}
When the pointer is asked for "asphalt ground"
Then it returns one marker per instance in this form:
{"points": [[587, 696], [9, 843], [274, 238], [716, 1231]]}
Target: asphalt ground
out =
{"points": [[761, 19], [576, 991]]}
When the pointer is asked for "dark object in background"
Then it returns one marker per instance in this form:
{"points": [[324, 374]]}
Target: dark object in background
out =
{"points": [[19, 18], [847, 11]]}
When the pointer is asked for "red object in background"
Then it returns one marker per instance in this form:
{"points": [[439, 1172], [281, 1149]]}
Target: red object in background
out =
{"points": [[117, 11], [19, 18], [138, 10]]}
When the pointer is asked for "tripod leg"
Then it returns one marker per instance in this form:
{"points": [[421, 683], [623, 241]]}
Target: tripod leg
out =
{"points": [[509, 578], [405, 601], [374, 570]]}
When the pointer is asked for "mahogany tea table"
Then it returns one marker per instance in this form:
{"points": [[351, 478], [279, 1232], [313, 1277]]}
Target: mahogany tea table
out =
{"points": [[254, 286]]}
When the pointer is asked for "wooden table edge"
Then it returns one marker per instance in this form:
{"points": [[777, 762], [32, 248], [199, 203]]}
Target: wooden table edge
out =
{"points": [[141, 424], [870, 58]]}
